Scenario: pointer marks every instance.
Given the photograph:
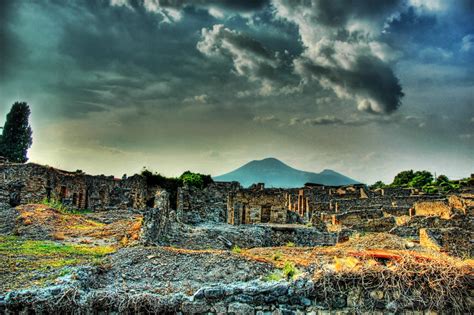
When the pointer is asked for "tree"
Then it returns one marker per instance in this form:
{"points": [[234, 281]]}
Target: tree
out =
{"points": [[421, 178], [378, 184], [16, 138], [402, 179]]}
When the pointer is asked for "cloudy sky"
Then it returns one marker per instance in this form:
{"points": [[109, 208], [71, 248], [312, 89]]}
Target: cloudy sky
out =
{"points": [[367, 88]]}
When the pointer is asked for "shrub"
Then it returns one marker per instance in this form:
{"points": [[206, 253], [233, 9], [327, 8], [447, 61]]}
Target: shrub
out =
{"points": [[277, 256], [195, 179], [274, 276], [289, 270], [55, 204], [236, 249]]}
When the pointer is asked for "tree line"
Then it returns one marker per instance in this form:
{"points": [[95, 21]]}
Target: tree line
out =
{"points": [[423, 180]]}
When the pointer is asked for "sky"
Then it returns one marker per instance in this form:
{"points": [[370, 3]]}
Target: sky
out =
{"points": [[366, 88]]}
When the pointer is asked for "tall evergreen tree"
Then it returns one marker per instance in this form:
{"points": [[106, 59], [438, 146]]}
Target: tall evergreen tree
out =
{"points": [[16, 138]]}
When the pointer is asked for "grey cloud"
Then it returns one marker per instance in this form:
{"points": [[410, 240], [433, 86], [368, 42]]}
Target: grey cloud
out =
{"points": [[467, 43], [237, 5], [343, 51], [356, 120], [249, 57], [170, 10], [266, 119]]}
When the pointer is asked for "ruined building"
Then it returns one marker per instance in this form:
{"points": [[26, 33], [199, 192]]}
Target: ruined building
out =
{"points": [[33, 183]]}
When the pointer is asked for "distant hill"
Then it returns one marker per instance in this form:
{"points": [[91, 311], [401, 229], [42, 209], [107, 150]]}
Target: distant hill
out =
{"points": [[275, 173]]}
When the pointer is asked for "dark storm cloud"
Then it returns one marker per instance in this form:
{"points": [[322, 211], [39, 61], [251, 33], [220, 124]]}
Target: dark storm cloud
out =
{"points": [[249, 57], [237, 5], [374, 83], [12, 50], [357, 120], [343, 51]]}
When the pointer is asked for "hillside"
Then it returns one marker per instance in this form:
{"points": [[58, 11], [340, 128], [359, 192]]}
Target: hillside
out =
{"points": [[275, 173]]}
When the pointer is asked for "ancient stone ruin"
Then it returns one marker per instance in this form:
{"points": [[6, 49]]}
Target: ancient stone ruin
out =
{"points": [[197, 232]]}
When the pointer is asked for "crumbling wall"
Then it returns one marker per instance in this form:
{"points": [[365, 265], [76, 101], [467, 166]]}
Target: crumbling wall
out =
{"points": [[157, 220], [433, 208], [209, 204], [253, 206], [33, 183], [454, 240]]}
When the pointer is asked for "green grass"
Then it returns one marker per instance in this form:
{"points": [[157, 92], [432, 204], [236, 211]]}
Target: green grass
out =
{"points": [[290, 244], [14, 245], [236, 249], [277, 256], [21, 260], [60, 207], [290, 270], [274, 276]]}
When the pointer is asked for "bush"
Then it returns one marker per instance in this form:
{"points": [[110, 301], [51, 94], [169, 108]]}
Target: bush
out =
{"points": [[55, 204], [274, 276], [236, 249], [290, 271], [195, 179], [277, 256]]}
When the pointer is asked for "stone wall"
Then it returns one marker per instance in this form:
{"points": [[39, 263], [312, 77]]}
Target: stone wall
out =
{"points": [[453, 240], [433, 208], [33, 183], [253, 206], [209, 204]]}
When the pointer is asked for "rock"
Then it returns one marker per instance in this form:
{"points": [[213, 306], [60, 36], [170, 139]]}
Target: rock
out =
{"points": [[376, 294], [240, 309], [199, 294], [392, 306], [189, 307], [214, 293], [305, 301]]}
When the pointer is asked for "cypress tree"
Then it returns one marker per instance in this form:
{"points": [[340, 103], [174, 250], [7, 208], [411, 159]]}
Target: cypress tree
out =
{"points": [[16, 138]]}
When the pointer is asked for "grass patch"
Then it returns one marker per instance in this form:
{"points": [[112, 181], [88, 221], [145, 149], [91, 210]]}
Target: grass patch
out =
{"points": [[236, 249], [16, 246], [290, 244], [274, 276], [24, 263], [277, 256], [290, 271], [60, 207]]}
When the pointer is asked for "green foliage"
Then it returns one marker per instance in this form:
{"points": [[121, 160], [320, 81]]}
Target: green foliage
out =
{"points": [[55, 204], [171, 184], [424, 180], [17, 134], [277, 256], [236, 249], [42, 248], [403, 178], [290, 244], [378, 184], [421, 178], [274, 276], [289, 270], [195, 179], [441, 180], [60, 207]]}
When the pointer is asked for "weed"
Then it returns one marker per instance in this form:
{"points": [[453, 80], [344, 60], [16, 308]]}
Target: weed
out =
{"points": [[289, 270], [277, 256], [60, 207], [290, 244], [236, 249], [274, 276]]}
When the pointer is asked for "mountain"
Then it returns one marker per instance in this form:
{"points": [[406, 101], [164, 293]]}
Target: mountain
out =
{"points": [[275, 173]]}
